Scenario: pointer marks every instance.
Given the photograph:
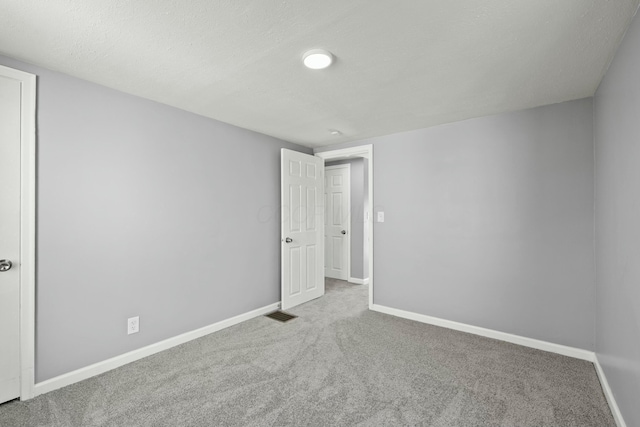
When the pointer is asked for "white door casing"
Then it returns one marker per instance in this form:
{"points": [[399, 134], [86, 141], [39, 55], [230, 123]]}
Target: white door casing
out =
{"points": [[301, 228], [17, 233], [337, 221]]}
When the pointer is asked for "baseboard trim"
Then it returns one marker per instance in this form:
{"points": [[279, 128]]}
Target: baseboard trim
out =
{"points": [[115, 362], [358, 281], [608, 394], [577, 353]]}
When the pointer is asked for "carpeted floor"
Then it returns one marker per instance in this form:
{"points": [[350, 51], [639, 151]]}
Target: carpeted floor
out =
{"points": [[337, 364]]}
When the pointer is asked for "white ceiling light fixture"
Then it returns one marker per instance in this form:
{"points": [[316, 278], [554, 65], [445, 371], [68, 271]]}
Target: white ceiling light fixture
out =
{"points": [[335, 132], [317, 59]]}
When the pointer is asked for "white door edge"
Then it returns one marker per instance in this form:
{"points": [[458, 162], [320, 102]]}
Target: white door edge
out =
{"points": [[348, 167], [365, 151], [27, 227]]}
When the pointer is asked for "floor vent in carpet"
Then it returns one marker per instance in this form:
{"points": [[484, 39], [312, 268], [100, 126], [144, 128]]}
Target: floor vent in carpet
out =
{"points": [[281, 316]]}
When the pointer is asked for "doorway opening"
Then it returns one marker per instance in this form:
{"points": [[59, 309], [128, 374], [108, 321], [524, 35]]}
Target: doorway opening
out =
{"points": [[359, 261]]}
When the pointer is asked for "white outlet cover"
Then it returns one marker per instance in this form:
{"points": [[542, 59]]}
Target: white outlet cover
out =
{"points": [[133, 325], [380, 216]]}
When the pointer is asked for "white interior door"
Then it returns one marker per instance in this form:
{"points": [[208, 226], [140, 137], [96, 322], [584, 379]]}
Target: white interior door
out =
{"points": [[302, 228], [10, 124], [337, 221]]}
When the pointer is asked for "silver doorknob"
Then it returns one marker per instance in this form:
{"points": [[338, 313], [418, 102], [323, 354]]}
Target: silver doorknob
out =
{"points": [[5, 265], [288, 240], [344, 232]]}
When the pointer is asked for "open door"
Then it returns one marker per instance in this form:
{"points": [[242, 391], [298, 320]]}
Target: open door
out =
{"points": [[10, 99], [17, 233], [302, 233]]}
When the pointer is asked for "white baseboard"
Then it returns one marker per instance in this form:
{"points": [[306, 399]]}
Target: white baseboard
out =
{"points": [[617, 415], [578, 353], [516, 339], [132, 356], [358, 281]]}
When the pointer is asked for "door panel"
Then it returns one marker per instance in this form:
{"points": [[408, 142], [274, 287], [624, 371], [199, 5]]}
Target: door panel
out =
{"points": [[295, 270], [312, 267], [302, 190], [338, 264], [10, 104], [337, 221]]}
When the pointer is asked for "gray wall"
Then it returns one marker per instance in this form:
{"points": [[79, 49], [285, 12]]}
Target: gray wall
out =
{"points": [[358, 206], [489, 222], [145, 210], [617, 136]]}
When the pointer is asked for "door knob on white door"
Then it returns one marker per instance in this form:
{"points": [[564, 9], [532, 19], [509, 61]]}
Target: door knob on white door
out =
{"points": [[288, 240], [344, 232], [5, 265]]}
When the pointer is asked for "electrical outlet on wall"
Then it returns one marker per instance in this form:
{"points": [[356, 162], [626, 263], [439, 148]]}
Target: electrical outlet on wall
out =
{"points": [[133, 325]]}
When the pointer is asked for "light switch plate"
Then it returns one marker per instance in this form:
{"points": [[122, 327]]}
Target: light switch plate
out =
{"points": [[380, 216]]}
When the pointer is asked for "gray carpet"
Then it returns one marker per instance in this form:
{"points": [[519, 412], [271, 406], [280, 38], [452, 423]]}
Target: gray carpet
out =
{"points": [[337, 364]]}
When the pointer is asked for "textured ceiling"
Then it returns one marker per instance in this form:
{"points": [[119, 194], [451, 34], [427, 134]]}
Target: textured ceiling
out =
{"points": [[400, 65]]}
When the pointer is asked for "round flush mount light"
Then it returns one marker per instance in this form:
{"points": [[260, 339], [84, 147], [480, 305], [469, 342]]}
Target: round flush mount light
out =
{"points": [[335, 132], [317, 59]]}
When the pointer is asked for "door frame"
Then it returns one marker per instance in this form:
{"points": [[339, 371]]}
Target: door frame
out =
{"points": [[348, 167], [364, 151], [27, 227]]}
